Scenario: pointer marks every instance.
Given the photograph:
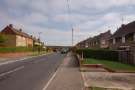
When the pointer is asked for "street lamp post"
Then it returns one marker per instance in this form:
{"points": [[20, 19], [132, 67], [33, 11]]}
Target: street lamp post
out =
{"points": [[39, 48], [72, 37]]}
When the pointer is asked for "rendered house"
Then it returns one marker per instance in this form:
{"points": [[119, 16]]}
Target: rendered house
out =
{"points": [[124, 37], [16, 38]]}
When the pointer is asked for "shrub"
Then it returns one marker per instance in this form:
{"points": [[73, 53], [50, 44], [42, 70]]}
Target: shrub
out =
{"points": [[99, 54]]}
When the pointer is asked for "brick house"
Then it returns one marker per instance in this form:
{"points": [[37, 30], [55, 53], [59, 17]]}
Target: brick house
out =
{"points": [[124, 37], [123, 40], [16, 38], [104, 39], [99, 41], [93, 42], [81, 44]]}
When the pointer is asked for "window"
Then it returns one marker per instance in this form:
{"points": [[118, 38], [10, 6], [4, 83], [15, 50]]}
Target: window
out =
{"points": [[129, 37]]}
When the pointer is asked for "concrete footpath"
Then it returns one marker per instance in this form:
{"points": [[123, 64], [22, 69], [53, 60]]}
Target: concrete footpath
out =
{"points": [[68, 76]]}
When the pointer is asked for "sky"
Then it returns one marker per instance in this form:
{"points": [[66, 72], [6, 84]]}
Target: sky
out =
{"points": [[52, 20]]}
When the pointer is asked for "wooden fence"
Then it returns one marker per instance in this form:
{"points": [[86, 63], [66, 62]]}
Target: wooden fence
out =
{"points": [[127, 56]]}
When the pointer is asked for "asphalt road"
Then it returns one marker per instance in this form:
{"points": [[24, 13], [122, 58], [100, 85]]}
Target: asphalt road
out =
{"points": [[31, 74]]}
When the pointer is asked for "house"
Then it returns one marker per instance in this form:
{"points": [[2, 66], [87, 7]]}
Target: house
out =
{"points": [[99, 41], [36, 42], [124, 37], [16, 37], [104, 39], [93, 42], [81, 44]]}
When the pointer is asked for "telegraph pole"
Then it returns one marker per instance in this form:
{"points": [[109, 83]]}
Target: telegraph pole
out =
{"points": [[71, 26]]}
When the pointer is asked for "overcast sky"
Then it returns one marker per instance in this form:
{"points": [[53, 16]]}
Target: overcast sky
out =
{"points": [[88, 17]]}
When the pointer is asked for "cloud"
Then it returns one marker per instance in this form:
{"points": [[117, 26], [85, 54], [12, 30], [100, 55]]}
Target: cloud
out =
{"points": [[34, 18], [51, 36], [88, 17], [99, 4], [72, 18]]}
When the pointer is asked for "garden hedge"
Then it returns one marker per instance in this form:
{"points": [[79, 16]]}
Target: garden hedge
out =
{"points": [[99, 54]]}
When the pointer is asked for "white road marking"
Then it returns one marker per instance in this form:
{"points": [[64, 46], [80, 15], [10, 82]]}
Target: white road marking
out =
{"points": [[49, 82], [11, 71], [7, 62]]}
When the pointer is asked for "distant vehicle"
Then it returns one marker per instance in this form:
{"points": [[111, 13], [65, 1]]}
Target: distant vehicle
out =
{"points": [[64, 50], [54, 50]]}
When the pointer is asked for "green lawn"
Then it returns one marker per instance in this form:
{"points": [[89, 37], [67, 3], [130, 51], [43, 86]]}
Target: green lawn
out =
{"points": [[111, 64]]}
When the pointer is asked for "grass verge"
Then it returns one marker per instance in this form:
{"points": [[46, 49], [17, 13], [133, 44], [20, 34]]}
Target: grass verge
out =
{"points": [[117, 66], [14, 49], [96, 88]]}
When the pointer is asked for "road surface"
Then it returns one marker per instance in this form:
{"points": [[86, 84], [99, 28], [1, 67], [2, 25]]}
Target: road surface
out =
{"points": [[32, 74]]}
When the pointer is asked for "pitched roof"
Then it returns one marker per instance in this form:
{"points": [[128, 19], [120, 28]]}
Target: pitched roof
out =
{"points": [[125, 29], [105, 35], [16, 31]]}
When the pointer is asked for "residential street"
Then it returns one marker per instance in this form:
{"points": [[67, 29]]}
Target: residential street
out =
{"points": [[67, 45], [68, 75], [32, 74]]}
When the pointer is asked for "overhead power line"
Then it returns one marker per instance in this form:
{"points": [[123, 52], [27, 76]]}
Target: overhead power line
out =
{"points": [[71, 25]]}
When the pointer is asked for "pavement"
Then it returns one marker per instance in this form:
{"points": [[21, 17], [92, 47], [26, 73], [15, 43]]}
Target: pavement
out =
{"points": [[108, 81], [13, 57], [68, 76], [5, 57], [30, 74]]}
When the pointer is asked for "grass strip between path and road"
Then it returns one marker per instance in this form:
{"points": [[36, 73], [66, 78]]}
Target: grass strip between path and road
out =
{"points": [[117, 66], [15, 49], [96, 88]]}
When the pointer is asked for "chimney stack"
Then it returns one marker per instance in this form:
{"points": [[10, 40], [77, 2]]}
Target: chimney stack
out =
{"points": [[20, 30], [122, 25], [11, 25]]}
